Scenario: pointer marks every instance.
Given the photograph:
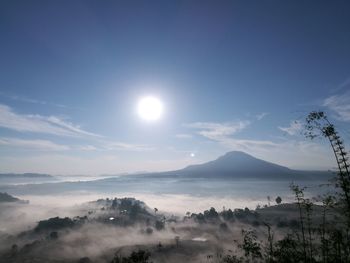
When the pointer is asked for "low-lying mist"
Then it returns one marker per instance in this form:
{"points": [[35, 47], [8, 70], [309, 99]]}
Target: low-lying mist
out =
{"points": [[98, 237], [177, 221]]}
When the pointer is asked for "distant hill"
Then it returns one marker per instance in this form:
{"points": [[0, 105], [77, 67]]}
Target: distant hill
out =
{"points": [[24, 175], [215, 177], [240, 165], [236, 162], [5, 197], [12, 178]]}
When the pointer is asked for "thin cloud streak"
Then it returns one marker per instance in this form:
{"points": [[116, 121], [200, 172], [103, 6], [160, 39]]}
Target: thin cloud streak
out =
{"points": [[183, 136], [126, 146], [46, 145], [217, 131], [40, 124], [340, 105], [41, 145], [34, 101], [291, 153], [262, 115], [294, 128], [53, 125]]}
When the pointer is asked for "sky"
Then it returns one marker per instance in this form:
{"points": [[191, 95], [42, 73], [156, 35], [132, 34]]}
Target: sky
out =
{"points": [[231, 75]]}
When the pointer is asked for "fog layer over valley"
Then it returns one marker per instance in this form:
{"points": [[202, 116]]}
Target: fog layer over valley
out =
{"points": [[202, 213], [234, 180], [98, 229]]}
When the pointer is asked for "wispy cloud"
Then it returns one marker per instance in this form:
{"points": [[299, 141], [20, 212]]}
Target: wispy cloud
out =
{"points": [[292, 153], [342, 85], [293, 128], [39, 124], [223, 132], [54, 125], [218, 131], [41, 145], [184, 136], [46, 145], [34, 101], [340, 105], [125, 146], [261, 115]]}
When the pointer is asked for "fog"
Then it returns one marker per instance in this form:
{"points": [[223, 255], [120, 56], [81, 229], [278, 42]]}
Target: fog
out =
{"points": [[98, 239], [19, 217]]}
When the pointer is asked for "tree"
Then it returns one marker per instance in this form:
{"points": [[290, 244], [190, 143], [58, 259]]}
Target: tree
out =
{"points": [[250, 245], [270, 243], [286, 250], [85, 260], [177, 240], [278, 200], [211, 213], [140, 256], [299, 197], [317, 124], [54, 235], [159, 225]]}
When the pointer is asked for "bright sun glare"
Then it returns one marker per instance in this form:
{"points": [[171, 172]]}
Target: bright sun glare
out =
{"points": [[150, 108]]}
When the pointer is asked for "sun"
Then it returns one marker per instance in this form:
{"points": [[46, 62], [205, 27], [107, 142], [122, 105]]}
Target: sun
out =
{"points": [[150, 108]]}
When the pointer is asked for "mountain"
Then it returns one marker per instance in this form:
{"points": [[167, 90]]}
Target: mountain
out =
{"points": [[11, 178], [213, 177], [240, 165], [237, 162], [5, 197], [25, 175]]}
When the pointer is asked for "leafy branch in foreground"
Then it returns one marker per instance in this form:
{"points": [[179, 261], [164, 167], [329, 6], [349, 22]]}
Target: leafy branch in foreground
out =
{"points": [[317, 124]]}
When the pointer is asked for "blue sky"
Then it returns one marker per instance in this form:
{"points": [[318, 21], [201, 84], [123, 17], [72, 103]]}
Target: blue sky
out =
{"points": [[232, 75]]}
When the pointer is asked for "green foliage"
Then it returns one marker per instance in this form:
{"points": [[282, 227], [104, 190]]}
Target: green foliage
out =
{"points": [[211, 214], [278, 200], [288, 250], [130, 207], [227, 215], [54, 235], [317, 124], [54, 223], [250, 245], [231, 259], [140, 256], [159, 225]]}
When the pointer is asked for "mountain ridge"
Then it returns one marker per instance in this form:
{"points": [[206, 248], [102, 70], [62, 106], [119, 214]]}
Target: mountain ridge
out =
{"points": [[235, 160], [238, 165]]}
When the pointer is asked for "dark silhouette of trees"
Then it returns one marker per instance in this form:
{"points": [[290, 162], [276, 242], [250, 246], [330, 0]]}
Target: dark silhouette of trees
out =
{"points": [[299, 196], [287, 251], [250, 245], [159, 225], [140, 256], [54, 223], [317, 124], [211, 214], [278, 200], [54, 235]]}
